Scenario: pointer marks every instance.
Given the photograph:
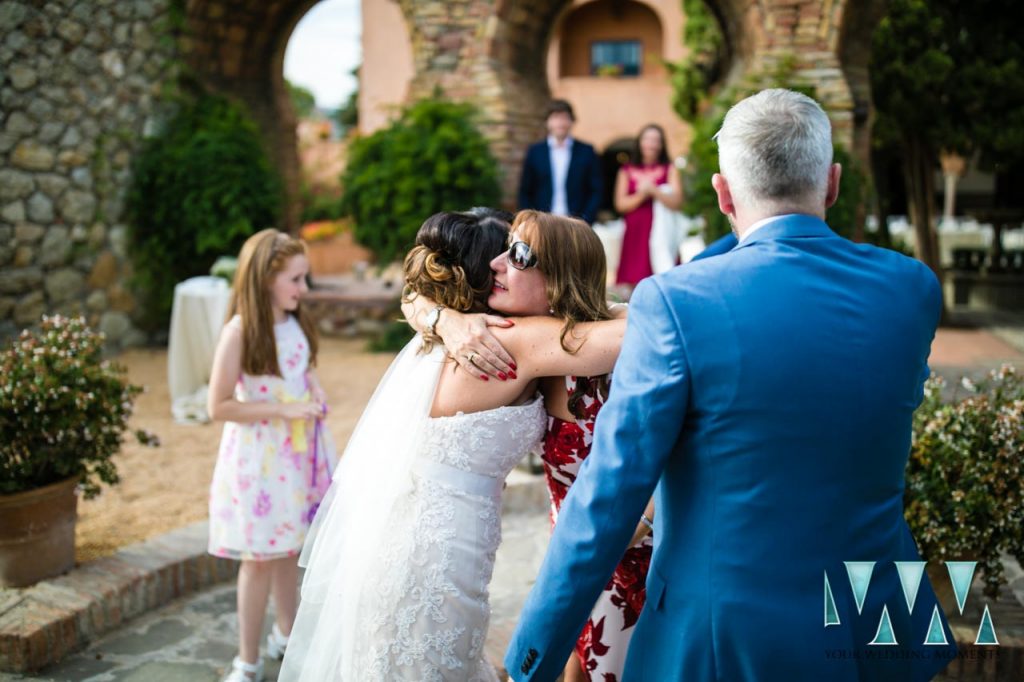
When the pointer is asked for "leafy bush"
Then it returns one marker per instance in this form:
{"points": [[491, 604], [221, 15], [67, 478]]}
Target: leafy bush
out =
{"points": [[392, 338], [319, 205], [63, 409], [303, 100], [964, 495], [693, 77], [199, 190], [431, 159]]}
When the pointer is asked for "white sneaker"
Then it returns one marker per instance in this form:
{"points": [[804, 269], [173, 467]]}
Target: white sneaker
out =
{"points": [[276, 644], [245, 672]]}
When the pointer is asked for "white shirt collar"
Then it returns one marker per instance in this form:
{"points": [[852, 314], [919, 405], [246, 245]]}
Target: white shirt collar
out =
{"points": [[761, 223], [553, 143]]}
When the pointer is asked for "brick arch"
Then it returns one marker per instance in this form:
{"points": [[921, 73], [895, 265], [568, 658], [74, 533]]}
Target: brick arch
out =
{"points": [[493, 53], [236, 47]]}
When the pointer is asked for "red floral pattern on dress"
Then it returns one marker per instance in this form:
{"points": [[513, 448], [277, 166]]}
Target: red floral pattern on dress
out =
{"points": [[603, 643]]}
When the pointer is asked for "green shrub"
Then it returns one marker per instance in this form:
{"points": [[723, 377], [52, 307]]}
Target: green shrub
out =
{"points": [[199, 190], [432, 158], [63, 409], [392, 338], [964, 497], [319, 206], [842, 216]]}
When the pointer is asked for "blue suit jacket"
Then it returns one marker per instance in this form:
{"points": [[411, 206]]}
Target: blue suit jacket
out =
{"points": [[583, 182], [770, 392], [718, 247]]}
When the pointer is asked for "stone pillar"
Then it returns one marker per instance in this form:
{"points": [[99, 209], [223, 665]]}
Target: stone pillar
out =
{"points": [[80, 84], [493, 54]]}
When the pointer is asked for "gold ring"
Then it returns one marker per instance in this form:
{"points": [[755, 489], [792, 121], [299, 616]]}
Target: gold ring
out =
{"points": [[470, 358]]}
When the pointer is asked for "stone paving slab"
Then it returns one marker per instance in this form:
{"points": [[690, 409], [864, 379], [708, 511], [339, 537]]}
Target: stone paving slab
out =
{"points": [[193, 639], [41, 625]]}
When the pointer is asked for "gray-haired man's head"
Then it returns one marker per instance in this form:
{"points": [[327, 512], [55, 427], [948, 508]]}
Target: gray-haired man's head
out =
{"points": [[775, 152]]}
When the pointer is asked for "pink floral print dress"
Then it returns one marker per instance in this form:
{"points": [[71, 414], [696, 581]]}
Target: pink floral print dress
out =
{"points": [[266, 488]]}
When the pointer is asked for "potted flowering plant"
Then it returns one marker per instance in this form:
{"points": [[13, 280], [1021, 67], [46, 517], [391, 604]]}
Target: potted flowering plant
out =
{"points": [[63, 414], [964, 495]]}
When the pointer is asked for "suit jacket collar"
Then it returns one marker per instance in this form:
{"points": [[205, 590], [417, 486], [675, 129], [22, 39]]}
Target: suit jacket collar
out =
{"points": [[793, 226]]}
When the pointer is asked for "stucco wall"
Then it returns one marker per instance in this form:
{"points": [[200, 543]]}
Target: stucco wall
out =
{"points": [[387, 67]]}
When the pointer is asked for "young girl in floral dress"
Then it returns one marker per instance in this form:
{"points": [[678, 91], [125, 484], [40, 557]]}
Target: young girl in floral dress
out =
{"points": [[276, 457]]}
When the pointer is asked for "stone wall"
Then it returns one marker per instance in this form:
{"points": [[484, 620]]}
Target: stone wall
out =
{"points": [[79, 84]]}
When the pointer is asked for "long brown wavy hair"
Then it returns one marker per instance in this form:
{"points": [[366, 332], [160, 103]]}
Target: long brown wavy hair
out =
{"points": [[571, 257], [263, 256]]}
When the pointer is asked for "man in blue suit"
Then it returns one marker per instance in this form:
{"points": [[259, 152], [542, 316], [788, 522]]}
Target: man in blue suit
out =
{"points": [[767, 394], [721, 245], [561, 175]]}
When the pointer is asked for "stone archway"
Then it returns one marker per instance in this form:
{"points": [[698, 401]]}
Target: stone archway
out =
{"points": [[493, 53], [237, 47]]}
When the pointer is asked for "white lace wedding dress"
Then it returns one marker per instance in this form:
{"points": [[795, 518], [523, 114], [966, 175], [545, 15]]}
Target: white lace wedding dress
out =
{"points": [[410, 600]]}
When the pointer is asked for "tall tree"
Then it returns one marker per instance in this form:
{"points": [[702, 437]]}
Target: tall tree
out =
{"points": [[947, 75]]}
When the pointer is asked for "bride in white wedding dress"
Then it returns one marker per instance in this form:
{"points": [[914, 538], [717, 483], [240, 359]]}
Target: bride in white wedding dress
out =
{"points": [[401, 553]]}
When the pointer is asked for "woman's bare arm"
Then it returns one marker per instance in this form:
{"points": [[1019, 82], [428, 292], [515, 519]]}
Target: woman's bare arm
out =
{"points": [[465, 335], [624, 201], [673, 199], [537, 340]]}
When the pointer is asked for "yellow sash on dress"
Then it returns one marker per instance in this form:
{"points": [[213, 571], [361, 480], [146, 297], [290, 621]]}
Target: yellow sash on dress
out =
{"points": [[299, 443]]}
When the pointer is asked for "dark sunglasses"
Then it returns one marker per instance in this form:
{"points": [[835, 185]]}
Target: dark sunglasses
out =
{"points": [[521, 256]]}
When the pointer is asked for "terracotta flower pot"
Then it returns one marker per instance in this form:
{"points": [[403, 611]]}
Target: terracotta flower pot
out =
{"points": [[336, 255], [37, 533]]}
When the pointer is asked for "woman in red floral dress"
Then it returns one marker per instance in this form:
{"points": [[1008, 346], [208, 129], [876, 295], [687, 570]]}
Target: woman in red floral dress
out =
{"points": [[602, 646]]}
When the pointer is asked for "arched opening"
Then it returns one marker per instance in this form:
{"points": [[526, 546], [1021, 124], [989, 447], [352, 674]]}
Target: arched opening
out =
{"points": [[237, 48], [607, 58], [320, 63], [610, 38], [614, 156]]}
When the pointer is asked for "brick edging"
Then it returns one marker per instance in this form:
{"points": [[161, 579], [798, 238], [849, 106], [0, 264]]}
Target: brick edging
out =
{"points": [[42, 624]]}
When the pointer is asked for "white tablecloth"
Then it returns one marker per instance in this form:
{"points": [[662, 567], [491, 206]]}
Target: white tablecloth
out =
{"points": [[200, 304]]}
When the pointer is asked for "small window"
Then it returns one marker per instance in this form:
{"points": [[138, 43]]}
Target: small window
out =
{"points": [[615, 58]]}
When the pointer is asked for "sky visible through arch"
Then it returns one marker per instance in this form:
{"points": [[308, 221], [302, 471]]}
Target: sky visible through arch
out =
{"points": [[323, 49]]}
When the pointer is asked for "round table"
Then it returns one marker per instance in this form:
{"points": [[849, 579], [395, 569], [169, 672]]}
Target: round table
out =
{"points": [[200, 304]]}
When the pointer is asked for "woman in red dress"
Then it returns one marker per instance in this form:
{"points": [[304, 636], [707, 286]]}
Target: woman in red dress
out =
{"points": [[602, 646], [638, 185]]}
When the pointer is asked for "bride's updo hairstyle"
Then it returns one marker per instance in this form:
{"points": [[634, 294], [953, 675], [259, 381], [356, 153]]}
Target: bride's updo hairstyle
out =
{"points": [[451, 262]]}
